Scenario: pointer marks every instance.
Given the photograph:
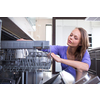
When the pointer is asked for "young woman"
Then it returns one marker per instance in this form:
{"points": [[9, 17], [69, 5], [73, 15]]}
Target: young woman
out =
{"points": [[74, 56]]}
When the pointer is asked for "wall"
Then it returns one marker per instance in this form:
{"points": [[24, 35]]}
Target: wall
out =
{"points": [[40, 33], [95, 34], [64, 28]]}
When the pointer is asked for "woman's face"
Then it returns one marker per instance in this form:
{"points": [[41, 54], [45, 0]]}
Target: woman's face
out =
{"points": [[74, 38]]}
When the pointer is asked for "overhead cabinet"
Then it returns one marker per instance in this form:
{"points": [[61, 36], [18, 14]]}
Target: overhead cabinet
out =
{"points": [[13, 29]]}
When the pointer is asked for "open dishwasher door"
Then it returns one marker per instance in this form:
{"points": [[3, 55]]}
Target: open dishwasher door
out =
{"points": [[64, 77], [88, 78]]}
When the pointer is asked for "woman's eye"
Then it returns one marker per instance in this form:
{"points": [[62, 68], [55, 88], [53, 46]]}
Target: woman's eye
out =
{"points": [[76, 38]]}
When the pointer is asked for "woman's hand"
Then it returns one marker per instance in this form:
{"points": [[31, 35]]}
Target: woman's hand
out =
{"points": [[23, 39], [55, 57]]}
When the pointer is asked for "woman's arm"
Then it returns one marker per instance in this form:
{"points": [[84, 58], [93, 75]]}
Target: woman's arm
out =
{"points": [[75, 64]]}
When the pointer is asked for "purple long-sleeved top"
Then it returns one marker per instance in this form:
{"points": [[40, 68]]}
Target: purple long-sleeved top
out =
{"points": [[61, 51]]}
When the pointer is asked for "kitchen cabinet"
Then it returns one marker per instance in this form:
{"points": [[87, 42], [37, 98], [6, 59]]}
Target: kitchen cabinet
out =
{"points": [[13, 29], [23, 24], [96, 36]]}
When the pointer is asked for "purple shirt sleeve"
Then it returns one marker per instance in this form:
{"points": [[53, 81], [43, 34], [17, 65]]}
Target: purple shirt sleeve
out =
{"points": [[86, 58], [53, 48], [57, 50]]}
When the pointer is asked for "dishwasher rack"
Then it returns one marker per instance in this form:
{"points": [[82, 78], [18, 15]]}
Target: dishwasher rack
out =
{"points": [[31, 62]]}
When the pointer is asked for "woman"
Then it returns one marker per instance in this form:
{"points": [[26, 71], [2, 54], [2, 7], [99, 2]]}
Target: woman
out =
{"points": [[74, 56]]}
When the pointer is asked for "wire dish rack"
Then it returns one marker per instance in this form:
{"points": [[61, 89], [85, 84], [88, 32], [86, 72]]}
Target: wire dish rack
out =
{"points": [[36, 59]]}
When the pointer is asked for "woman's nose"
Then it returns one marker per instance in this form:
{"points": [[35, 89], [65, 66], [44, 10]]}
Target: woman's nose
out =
{"points": [[71, 37]]}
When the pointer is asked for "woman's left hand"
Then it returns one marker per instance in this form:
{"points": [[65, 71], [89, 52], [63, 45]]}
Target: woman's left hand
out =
{"points": [[23, 39], [55, 57]]}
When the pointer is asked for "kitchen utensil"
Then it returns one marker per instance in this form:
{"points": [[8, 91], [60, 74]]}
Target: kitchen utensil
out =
{"points": [[21, 53]]}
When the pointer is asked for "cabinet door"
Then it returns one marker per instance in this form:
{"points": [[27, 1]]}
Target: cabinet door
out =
{"points": [[96, 36]]}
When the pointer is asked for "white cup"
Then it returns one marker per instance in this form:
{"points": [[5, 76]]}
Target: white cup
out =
{"points": [[21, 53], [37, 60], [43, 59]]}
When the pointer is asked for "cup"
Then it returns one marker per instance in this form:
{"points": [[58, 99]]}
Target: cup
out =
{"points": [[21, 53], [43, 59], [36, 60]]}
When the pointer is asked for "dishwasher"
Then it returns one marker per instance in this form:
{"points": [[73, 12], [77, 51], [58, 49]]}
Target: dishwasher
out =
{"points": [[35, 61], [21, 61]]}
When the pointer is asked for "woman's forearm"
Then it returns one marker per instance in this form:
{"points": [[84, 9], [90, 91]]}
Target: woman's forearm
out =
{"points": [[76, 64]]}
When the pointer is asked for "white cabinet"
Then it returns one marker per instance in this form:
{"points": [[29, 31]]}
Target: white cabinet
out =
{"points": [[24, 25], [96, 37]]}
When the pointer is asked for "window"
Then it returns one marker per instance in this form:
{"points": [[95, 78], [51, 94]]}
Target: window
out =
{"points": [[49, 33]]}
